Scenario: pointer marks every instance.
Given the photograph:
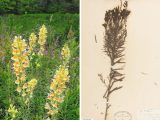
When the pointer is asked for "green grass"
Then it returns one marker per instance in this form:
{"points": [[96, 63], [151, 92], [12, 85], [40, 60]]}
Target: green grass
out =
{"points": [[58, 26]]}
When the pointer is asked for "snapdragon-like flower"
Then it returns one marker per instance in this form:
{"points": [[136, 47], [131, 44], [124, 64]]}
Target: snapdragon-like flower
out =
{"points": [[31, 85], [42, 38], [20, 60], [57, 89], [28, 88], [65, 53], [12, 111], [32, 42], [58, 84]]}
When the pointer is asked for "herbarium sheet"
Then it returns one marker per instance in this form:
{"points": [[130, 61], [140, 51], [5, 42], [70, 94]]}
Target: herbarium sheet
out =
{"points": [[136, 41]]}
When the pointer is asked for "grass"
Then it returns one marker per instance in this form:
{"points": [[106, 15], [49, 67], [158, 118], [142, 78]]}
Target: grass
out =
{"points": [[58, 26]]}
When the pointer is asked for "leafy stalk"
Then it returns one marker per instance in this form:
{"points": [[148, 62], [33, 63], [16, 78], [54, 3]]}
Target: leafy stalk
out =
{"points": [[114, 41]]}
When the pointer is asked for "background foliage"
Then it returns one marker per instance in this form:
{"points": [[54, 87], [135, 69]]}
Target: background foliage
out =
{"points": [[38, 6]]}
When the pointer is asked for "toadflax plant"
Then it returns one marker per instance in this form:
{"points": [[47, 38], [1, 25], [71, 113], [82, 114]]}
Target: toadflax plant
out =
{"points": [[58, 85], [20, 61], [114, 40], [21, 56], [42, 39]]}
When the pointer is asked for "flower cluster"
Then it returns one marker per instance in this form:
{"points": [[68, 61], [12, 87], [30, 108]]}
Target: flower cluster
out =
{"points": [[20, 63], [65, 53], [29, 87], [42, 38], [12, 111], [20, 60], [32, 42], [58, 85]]}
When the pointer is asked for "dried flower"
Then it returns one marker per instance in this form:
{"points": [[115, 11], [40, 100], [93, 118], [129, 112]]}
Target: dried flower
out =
{"points": [[114, 40], [42, 38]]}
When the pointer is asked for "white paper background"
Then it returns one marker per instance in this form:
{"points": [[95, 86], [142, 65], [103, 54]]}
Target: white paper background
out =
{"points": [[142, 83]]}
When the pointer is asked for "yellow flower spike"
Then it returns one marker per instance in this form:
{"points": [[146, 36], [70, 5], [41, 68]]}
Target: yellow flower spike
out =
{"points": [[32, 41], [12, 111], [58, 84], [18, 45], [20, 58], [65, 52], [20, 63], [32, 83], [30, 86], [42, 38]]}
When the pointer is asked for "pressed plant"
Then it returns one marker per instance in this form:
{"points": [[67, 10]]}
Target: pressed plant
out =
{"points": [[58, 85], [114, 47]]}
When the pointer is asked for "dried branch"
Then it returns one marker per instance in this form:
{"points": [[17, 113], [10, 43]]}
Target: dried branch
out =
{"points": [[114, 40]]}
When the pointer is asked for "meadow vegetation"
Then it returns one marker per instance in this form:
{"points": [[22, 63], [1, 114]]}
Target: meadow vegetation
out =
{"points": [[46, 69]]}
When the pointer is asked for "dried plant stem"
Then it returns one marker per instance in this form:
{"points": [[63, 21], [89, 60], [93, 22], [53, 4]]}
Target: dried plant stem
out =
{"points": [[114, 40]]}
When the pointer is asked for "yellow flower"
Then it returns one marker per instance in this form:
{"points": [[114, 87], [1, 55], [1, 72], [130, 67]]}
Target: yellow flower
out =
{"points": [[19, 44], [25, 86], [42, 38], [17, 81], [32, 83], [58, 84], [47, 106], [15, 58], [12, 111], [55, 105], [48, 118], [52, 112], [19, 89], [24, 94], [32, 41], [65, 52], [20, 61], [20, 58], [60, 77], [30, 86]]}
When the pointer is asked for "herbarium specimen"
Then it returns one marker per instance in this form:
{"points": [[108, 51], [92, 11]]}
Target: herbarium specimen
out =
{"points": [[114, 41]]}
